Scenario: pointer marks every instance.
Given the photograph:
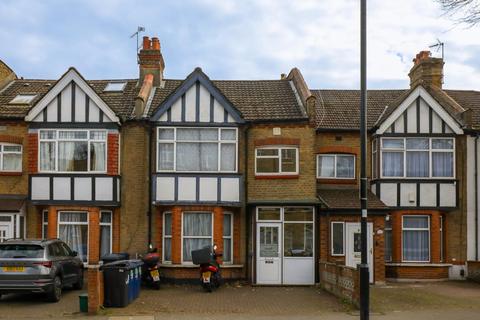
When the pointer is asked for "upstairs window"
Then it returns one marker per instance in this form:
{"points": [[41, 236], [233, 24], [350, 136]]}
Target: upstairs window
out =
{"points": [[10, 157], [336, 166], [418, 157], [276, 160], [197, 149], [23, 99], [73, 150], [114, 86]]}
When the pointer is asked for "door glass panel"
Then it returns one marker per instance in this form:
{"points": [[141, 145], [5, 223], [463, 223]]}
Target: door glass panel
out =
{"points": [[357, 245], [268, 214], [298, 239], [269, 242]]}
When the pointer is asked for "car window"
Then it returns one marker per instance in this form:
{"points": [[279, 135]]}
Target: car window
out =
{"points": [[55, 250], [66, 249], [21, 251]]}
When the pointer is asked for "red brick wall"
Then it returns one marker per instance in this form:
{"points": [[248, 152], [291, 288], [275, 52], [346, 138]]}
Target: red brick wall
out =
{"points": [[417, 272], [95, 290], [33, 152], [194, 273], [112, 159]]}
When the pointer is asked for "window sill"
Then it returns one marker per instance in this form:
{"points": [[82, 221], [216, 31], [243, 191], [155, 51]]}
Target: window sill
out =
{"points": [[191, 266], [6, 173], [416, 264], [277, 176]]}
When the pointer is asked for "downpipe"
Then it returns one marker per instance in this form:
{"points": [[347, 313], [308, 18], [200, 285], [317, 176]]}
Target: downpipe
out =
{"points": [[476, 197]]}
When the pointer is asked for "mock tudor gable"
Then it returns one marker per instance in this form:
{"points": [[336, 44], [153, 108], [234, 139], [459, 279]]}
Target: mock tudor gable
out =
{"points": [[71, 100], [419, 112], [197, 100]]}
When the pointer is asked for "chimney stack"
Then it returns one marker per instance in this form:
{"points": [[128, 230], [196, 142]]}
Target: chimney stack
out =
{"points": [[151, 61], [426, 70]]}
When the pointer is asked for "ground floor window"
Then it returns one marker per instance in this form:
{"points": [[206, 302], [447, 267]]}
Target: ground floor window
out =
{"points": [[73, 229], [338, 238], [105, 232], [197, 232], [441, 240], [416, 238], [167, 237], [228, 237], [388, 239], [44, 224]]}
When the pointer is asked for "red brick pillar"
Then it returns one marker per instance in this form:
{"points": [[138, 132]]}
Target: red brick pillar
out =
{"points": [[116, 230], [95, 289], [218, 228], [93, 236], [158, 230], [52, 223], [435, 237], [396, 219], [176, 235]]}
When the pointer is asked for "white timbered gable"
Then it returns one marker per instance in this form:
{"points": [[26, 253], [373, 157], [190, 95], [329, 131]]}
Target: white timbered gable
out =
{"points": [[71, 100], [419, 113], [197, 100]]}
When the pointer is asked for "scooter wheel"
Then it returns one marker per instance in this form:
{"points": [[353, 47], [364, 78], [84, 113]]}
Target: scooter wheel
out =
{"points": [[207, 287]]}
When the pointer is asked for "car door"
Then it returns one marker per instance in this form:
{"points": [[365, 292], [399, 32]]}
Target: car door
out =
{"points": [[70, 267]]}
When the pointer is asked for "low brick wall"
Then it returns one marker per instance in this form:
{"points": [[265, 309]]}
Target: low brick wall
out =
{"points": [[412, 272], [341, 281], [473, 270], [95, 289]]}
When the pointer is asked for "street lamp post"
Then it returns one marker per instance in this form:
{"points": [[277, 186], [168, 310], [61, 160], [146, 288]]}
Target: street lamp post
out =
{"points": [[364, 274]]}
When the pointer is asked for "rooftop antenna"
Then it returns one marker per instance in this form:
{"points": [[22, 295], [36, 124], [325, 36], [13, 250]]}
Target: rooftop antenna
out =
{"points": [[139, 29], [438, 46]]}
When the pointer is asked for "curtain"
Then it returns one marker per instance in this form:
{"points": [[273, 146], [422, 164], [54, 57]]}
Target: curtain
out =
{"points": [[167, 249], [392, 164], [417, 164], [327, 166], [208, 157], [196, 224], [227, 242], [72, 156], [12, 161], [227, 157], [165, 156], [187, 159], [105, 240], [47, 156], [75, 235], [442, 164], [345, 168], [97, 156], [416, 242]]}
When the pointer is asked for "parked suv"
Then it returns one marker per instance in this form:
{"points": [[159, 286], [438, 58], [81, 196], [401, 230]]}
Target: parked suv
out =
{"points": [[43, 266]]}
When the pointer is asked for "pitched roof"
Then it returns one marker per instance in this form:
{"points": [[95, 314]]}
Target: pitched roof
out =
{"points": [[348, 199], [257, 100], [121, 103], [339, 109]]}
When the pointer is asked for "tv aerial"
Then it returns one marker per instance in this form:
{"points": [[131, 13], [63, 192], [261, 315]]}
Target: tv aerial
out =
{"points": [[438, 46], [139, 30]]}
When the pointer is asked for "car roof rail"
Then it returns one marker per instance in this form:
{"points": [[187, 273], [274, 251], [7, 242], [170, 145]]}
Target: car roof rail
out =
{"points": [[13, 239]]}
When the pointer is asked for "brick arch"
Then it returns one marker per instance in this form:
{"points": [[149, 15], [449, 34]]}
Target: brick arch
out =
{"points": [[11, 139], [339, 149]]}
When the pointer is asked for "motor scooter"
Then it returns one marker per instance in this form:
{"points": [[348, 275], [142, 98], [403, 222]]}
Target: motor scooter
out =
{"points": [[150, 268], [210, 275]]}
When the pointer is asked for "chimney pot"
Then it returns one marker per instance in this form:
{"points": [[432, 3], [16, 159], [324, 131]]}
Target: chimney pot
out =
{"points": [[155, 43], [146, 43]]}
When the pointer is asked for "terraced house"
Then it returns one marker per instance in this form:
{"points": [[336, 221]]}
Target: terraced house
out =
{"points": [[265, 169]]}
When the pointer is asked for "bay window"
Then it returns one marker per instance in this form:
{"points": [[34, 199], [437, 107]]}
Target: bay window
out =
{"points": [[416, 238], [336, 166], [105, 232], [418, 157], [73, 150], [228, 237], [73, 230], [167, 237], [388, 240], [10, 157], [197, 149], [276, 160], [197, 232]]}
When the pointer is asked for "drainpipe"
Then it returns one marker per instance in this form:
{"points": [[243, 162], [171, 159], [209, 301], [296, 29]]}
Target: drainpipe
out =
{"points": [[149, 179], [476, 197], [248, 219]]}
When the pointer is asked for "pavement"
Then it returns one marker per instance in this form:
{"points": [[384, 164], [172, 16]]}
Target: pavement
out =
{"points": [[435, 301]]}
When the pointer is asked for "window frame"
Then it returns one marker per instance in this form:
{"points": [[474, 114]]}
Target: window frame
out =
{"points": [[56, 141], [442, 236], [106, 224], [174, 141], [279, 157], [76, 223], [331, 239], [335, 155], [28, 97], [230, 238], [44, 224], [2, 153], [417, 229], [430, 151], [168, 237], [389, 229], [196, 237]]}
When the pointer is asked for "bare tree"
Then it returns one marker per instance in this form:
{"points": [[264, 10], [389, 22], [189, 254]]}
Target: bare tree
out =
{"points": [[463, 11]]}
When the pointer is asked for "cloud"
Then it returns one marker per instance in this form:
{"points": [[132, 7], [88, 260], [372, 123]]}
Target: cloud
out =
{"points": [[236, 39]]}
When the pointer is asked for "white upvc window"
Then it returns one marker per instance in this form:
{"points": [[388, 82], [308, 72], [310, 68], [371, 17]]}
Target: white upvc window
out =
{"points": [[10, 157], [418, 157], [106, 232], [336, 166], [44, 224], [73, 230], [196, 149], [388, 239], [374, 158], [197, 232], [228, 237], [442, 248], [337, 238], [73, 151], [416, 238], [276, 160], [167, 237]]}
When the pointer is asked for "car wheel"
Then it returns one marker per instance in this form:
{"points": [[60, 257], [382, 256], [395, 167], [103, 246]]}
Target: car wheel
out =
{"points": [[79, 284], [56, 293]]}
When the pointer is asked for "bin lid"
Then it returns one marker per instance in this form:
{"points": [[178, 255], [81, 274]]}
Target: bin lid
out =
{"points": [[121, 264], [136, 262]]}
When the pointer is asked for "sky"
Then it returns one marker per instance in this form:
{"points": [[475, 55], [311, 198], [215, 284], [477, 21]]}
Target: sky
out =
{"points": [[237, 39]]}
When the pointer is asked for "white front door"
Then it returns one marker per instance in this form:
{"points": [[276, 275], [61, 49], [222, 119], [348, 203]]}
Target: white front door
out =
{"points": [[6, 227], [353, 244], [269, 259]]}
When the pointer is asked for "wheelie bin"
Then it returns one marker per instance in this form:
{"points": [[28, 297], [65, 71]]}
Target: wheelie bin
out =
{"points": [[118, 283]]}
